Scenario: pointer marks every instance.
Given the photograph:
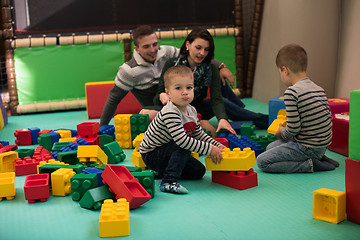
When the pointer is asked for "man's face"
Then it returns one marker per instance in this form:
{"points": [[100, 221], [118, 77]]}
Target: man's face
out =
{"points": [[148, 47]]}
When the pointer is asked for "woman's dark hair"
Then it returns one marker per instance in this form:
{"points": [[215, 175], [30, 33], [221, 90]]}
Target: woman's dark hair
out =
{"points": [[203, 34]]}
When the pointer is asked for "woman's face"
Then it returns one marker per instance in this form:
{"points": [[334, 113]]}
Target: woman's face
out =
{"points": [[198, 50]]}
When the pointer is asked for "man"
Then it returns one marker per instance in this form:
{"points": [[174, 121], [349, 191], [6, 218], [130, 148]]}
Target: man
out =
{"points": [[140, 75]]}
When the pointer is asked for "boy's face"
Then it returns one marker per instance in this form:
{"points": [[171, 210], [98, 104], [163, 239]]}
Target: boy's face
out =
{"points": [[148, 47], [181, 91]]}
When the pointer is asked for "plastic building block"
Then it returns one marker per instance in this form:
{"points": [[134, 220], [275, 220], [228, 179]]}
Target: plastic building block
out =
{"points": [[338, 105], [146, 179], [107, 130], [137, 141], [105, 139], [60, 181], [64, 133], [195, 155], [340, 136], [243, 142], [8, 148], [329, 205], [59, 145], [136, 159], [23, 137], [123, 130], [88, 129], [93, 140], [240, 180], [50, 168], [354, 125], [80, 183], [97, 94], [275, 104], [247, 129], [4, 143], [114, 152], [42, 154], [25, 167], [264, 140], [235, 160], [91, 154], [34, 134], [281, 118], [25, 152], [223, 141], [69, 157], [114, 218], [139, 123], [236, 125], [7, 186], [45, 141], [36, 187], [67, 140], [94, 198], [352, 180], [45, 131], [96, 171], [7, 160], [124, 185]]}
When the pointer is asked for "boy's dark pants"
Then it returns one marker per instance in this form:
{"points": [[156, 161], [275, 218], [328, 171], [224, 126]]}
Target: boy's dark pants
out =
{"points": [[173, 163]]}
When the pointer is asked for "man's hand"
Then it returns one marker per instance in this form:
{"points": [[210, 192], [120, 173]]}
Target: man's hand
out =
{"points": [[163, 98], [225, 73]]}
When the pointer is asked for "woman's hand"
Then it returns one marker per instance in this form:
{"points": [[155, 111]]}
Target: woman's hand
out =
{"points": [[163, 98], [225, 73], [224, 124]]}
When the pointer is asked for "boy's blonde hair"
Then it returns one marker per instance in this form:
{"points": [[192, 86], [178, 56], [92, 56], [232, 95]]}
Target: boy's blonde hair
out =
{"points": [[179, 70], [292, 56]]}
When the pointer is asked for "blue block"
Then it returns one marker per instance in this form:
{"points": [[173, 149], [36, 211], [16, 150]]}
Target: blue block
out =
{"points": [[107, 129], [236, 125], [244, 142], [275, 105], [96, 171], [4, 143], [54, 136], [34, 135]]}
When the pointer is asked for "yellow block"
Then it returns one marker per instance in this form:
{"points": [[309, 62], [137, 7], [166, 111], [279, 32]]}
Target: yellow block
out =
{"points": [[7, 185], [91, 154], [2, 124], [64, 133], [60, 181], [51, 161], [114, 218], [281, 118], [235, 160], [329, 205], [71, 139], [137, 160], [123, 130], [195, 155], [137, 140], [7, 161]]}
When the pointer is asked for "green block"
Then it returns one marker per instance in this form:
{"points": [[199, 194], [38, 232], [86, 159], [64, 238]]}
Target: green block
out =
{"points": [[49, 168], [130, 168], [139, 124], [25, 152], [69, 157], [247, 129], [105, 139], [146, 179], [58, 145], [114, 152], [45, 141], [94, 198], [354, 125], [264, 140], [80, 183]]}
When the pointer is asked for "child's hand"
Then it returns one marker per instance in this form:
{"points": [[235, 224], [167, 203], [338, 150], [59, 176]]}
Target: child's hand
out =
{"points": [[216, 155], [278, 132]]}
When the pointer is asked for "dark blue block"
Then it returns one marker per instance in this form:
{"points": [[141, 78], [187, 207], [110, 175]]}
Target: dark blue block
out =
{"points": [[34, 135]]}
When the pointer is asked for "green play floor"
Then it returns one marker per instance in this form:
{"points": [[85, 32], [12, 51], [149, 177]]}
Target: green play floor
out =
{"points": [[280, 207]]}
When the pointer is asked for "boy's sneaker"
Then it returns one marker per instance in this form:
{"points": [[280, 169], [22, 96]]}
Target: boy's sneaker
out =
{"points": [[173, 188]]}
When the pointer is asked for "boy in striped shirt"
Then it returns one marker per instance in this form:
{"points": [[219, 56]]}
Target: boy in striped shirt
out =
{"points": [[175, 132], [308, 132]]}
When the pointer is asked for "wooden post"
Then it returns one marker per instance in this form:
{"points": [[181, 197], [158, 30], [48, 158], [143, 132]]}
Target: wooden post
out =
{"points": [[239, 47]]}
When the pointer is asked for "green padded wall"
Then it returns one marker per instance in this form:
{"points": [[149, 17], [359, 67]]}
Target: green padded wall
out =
{"points": [[354, 125], [56, 73], [60, 72]]}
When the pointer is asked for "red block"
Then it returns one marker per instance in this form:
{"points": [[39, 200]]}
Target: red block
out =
{"points": [[339, 105], [36, 187], [8, 148], [25, 167], [340, 138], [45, 131], [41, 154], [93, 140], [96, 96], [88, 129], [240, 180], [23, 137], [124, 185], [223, 141], [352, 184]]}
